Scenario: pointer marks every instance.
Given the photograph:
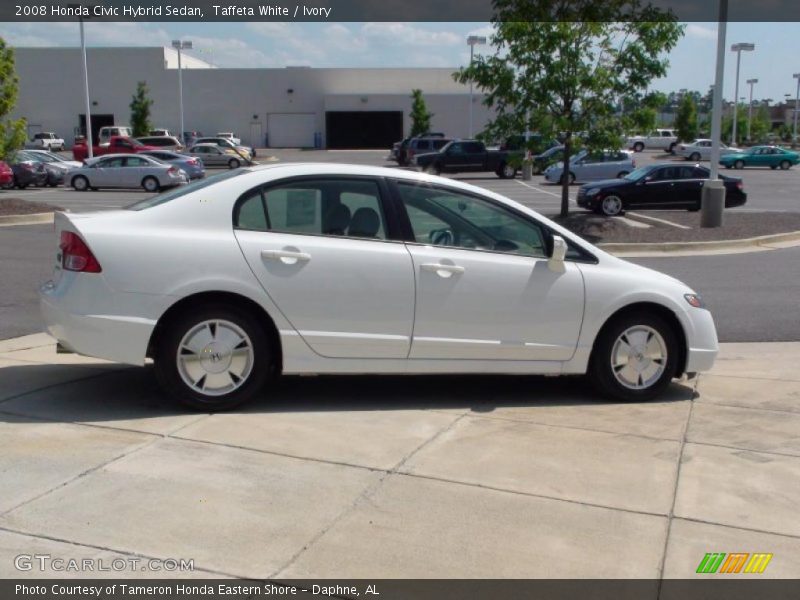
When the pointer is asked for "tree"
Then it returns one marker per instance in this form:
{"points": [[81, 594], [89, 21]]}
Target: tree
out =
{"points": [[12, 131], [686, 119], [420, 116], [570, 60], [741, 124], [140, 110]]}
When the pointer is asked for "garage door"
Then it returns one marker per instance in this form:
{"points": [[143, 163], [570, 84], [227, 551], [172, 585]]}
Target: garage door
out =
{"points": [[291, 130], [363, 129]]}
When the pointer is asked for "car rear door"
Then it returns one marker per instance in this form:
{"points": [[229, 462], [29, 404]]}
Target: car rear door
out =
{"points": [[322, 250], [484, 288]]}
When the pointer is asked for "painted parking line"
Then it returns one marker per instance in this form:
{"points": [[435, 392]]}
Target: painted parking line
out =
{"points": [[657, 220]]}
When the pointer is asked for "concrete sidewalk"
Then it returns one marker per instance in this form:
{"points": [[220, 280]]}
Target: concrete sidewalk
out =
{"points": [[445, 477]]}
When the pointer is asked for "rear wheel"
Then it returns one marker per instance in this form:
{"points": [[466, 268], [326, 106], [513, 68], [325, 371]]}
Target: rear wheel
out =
{"points": [[695, 156], [570, 178], [739, 164], [785, 164], [635, 357], [611, 206], [213, 357], [638, 147], [506, 171], [80, 183], [671, 148], [150, 184], [234, 163]]}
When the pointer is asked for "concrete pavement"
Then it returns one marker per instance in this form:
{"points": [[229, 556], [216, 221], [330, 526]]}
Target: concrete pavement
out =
{"points": [[347, 477]]}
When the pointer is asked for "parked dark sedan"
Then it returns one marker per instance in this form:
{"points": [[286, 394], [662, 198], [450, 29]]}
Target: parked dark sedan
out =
{"points": [[664, 186], [28, 172]]}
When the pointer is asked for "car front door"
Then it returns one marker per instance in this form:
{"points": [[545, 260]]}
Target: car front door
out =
{"points": [[484, 287], [322, 252], [107, 172], [456, 158]]}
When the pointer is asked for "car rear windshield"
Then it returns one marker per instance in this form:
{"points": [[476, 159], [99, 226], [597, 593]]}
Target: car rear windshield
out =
{"points": [[177, 192]]}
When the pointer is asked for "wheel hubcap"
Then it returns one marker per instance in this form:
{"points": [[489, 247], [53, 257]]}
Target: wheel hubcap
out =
{"points": [[215, 357], [509, 171], [639, 357], [612, 205]]}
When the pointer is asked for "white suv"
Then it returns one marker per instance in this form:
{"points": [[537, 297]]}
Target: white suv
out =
{"points": [[660, 139], [47, 140]]}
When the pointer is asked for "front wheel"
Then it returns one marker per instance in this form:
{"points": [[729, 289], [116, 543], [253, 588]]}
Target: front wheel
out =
{"points": [[611, 206], [635, 357], [638, 147], [234, 163], [739, 164], [213, 357], [570, 178], [671, 148], [80, 183], [785, 164], [695, 156], [506, 171], [150, 184]]}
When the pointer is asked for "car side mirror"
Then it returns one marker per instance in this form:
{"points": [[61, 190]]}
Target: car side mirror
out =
{"points": [[558, 251]]}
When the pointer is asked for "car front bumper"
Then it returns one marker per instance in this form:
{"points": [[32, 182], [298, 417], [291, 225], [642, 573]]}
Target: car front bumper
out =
{"points": [[702, 345]]}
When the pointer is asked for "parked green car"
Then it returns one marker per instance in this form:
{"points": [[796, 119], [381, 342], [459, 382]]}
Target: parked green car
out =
{"points": [[761, 156]]}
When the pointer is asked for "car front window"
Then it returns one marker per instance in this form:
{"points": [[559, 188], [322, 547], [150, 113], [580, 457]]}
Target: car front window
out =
{"points": [[638, 174]]}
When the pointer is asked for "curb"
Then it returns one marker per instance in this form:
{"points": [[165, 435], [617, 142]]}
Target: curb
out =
{"points": [[31, 219], [764, 242]]}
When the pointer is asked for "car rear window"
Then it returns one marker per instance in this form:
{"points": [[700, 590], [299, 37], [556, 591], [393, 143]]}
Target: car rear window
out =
{"points": [[178, 192]]}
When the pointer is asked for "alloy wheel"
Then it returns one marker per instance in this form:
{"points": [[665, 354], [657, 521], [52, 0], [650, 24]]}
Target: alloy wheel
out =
{"points": [[639, 357], [611, 206]]}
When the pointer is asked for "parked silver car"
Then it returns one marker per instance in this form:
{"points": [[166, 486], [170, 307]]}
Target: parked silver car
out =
{"points": [[701, 150], [593, 167], [125, 171], [193, 167], [213, 155]]}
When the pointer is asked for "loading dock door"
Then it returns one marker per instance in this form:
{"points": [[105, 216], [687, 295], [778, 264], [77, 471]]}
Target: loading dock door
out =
{"points": [[363, 129], [291, 130]]}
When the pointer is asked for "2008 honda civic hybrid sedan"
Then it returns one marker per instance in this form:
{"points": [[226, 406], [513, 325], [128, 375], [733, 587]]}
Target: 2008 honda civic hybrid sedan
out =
{"points": [[324, 268]]}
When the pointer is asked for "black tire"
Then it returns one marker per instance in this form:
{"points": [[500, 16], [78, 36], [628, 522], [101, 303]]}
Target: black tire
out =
{"points": [[773, 167], [234, 163], [79, 183], [435, 169], [570, 178], [738, 165], [602, 374], [612, 206], [695, 156], [150, 184], [638, 147], [506, 171], [671, 148], [166, 358], [785, 165]]}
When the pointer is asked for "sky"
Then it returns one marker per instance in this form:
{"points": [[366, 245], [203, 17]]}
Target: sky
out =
{"points": [[273, 44]]}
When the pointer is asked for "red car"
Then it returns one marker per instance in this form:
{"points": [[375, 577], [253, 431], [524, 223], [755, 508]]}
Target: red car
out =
{"points": [[116, 145], [6, 175]]}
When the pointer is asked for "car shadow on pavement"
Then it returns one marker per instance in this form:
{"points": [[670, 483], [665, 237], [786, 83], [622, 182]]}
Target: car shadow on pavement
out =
{"points": [[68, 393]]}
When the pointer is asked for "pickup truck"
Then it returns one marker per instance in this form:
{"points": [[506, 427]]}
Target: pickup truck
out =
{"points": [[463, 156], [46, 140], [660, 139], [117, 145]]}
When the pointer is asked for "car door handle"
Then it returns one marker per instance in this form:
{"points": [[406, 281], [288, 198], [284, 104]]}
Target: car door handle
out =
{"points": [[441, 270], [287, 257]]}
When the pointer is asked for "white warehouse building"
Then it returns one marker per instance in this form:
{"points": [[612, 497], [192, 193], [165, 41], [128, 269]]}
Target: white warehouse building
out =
{"points": [[275, 107]]}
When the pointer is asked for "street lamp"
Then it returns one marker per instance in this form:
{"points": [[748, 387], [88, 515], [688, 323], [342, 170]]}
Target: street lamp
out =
{"points": [[751, 83], [472, 41], [796, 100], [181, 45], [738, 48]]}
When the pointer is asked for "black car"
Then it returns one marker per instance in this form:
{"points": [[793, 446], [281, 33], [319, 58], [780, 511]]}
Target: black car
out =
{"points": [[28, 172], [664, 186]]}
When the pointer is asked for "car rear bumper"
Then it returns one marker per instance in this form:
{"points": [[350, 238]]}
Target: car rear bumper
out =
{"points": [[119, 338]]}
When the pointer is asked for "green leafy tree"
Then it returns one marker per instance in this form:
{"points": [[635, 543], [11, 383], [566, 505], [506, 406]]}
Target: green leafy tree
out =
{"points": [[420, 116], [572, 61], [12, 131], [741, 124], [642, 116], [761, 124], [686, 119], [140, 110]]}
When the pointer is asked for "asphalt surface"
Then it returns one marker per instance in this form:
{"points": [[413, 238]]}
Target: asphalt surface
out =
{"points": [[754, 297]]}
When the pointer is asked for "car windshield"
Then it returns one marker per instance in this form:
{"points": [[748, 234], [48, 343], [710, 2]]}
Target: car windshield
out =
{"points": [[639, 173], [183, 190]]}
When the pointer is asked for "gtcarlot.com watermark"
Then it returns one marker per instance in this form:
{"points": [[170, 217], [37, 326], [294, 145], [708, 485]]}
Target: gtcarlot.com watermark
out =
{"points": [[61, 564]]}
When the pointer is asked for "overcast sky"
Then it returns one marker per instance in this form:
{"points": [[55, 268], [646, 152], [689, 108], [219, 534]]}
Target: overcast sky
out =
{"points": [[264, 44]]}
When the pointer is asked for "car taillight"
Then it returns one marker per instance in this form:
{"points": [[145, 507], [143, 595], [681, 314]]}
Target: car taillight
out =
{"points": [[192, 161], [739, 185], [75, 254], [172, 170]]}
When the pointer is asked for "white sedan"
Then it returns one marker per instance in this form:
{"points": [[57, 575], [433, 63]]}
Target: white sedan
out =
{"points": [[325, 268], [701, 150]]}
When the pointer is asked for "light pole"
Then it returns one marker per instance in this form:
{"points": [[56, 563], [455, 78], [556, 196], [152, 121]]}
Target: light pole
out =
{"points": [[751, 83], [738, 48], [796, 100], [181, 45], [88, 104], [472, 41], [712, 200]]}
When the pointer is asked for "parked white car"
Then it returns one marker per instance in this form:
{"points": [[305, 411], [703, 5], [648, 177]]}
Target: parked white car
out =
{"points": [[329, 268], [701, 150], [660, 139], [46, 140], [230, 136]]}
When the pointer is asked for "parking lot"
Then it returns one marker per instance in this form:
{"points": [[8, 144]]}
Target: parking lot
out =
{"points": [[392, 477]]}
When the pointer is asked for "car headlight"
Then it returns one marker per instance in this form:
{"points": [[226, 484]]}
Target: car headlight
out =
{"points": [[695, 300], [592, 191]]}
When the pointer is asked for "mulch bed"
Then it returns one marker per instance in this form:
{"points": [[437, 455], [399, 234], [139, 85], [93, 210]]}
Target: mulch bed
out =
{"points": [[15, 206], [736, 225]]}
